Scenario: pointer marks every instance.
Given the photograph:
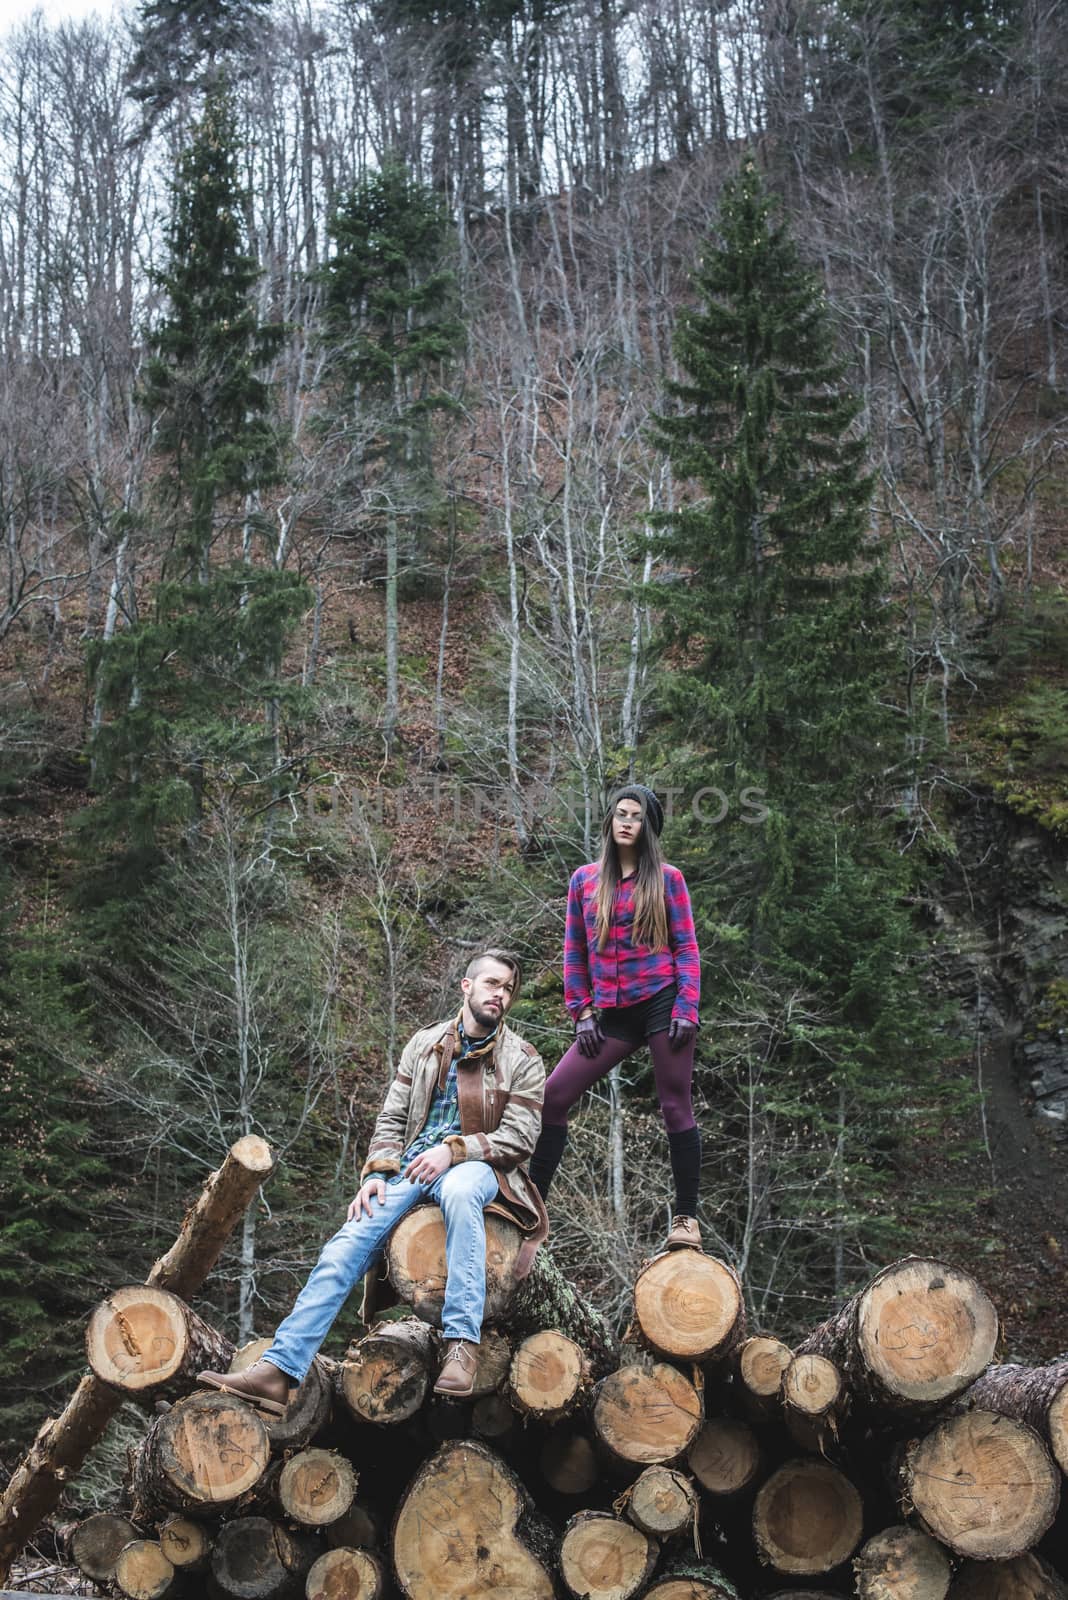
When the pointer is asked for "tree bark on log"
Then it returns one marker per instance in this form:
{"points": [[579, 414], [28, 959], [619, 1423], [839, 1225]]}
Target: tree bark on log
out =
{"points": [[692, 1580], [316, 1487], [1027, 1577], [662, 1503], [901, 1563], [142, 1571], [150, 1345], [983, 1484], [257, 1559], [63, 1442], [725, 1456], [548, 1376], [415, 1262], [200, 1456], [689, 1306], [385, 1376], [96, 1542], [1035, 1395], [807, 1518], [604, 1558], [309, 1409], [345, 1574], [917, 1336], [646, 1416], [466, 1530]]}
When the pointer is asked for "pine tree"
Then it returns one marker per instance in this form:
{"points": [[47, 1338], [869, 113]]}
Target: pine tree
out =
{"points": [[390, 329], [184, 45], [175, 688]]}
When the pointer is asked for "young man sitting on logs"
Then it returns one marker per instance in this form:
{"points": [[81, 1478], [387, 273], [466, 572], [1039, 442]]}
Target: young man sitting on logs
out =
{"points": [[459, 1121]]}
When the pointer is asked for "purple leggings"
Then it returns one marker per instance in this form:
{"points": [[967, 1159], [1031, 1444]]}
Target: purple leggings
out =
{"points": [[672, 1070]]}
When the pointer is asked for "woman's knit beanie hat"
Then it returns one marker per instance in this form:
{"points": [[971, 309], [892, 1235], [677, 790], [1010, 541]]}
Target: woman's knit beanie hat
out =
{"points": [[646, 799]]}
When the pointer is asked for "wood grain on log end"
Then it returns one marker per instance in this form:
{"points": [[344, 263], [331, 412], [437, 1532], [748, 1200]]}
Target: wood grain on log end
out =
{"points": [[662, 1502], [1026, 1577], [147, 1341], [142, 1571], [984, 1484], [415, 1258], [761, 1364], [902, 1563], [185, 1543], [547, 1375], [688, 1306], [645, 1417], [807, 1518], [725, 1456], [925, 1331], [602, 1558], [465, 1531], [692, 1580], [95, 1544], [568, 1463], [812, 1386], [316, 1487], [344, 1574], [385, 1375], [206, 1451], [257, 1559]]}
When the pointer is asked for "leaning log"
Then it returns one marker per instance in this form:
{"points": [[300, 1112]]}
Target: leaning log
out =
{"points": [[385, 1376], [918, 1335], [150, 1345], [983, 1484], [1026, 1577], [345, 1574], [96, 1542], [200, 1456], [645, 1417], [415, 1261], [63, 1442], [257, 1559], [807, 1518], [901, 1563], [1035, 1395], [689, 1306], [466, 1530], [604, 1558]]}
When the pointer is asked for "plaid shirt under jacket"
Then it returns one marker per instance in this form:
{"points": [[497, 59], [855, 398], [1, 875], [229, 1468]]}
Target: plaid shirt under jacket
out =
{"points": [[623, 973]]}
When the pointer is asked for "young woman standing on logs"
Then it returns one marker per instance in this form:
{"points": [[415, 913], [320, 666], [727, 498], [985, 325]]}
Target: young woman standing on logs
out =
{"points": [[632, 975]]}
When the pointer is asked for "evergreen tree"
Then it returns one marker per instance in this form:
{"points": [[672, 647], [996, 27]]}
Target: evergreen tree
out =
{"points": [[390, 329], [777, 669], [184, 45], [179, 681]]}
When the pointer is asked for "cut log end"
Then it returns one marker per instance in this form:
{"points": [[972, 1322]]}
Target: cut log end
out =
{"points": [[385, 1376], [547, 1375], [725, 1456], [254, 1154], [812, 1386], [142, 1571], [925, 1331], [984, 1484], [569, 1463], [316, 1487], [688, 1306], [692, 1580], [761, 1364], [344, 1574], [205, 1451], [662, 1503], [602, 1558], [143, 1340], [1027, 1577], [95, 1544], [256, 1559], [807, 1518], [415, 1256], [464, 1532], [646, 1417], [902, 1563], [185, 1543]]}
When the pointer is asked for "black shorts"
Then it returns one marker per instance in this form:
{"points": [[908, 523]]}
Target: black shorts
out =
{"points": [[637, 1022]]}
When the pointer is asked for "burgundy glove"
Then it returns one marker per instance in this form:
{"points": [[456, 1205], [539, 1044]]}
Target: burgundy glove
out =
{"points": [[589, 1034], [681, 1033]]}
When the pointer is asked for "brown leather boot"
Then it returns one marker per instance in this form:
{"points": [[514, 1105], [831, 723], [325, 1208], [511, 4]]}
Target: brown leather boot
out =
{"points": [[457, 1376], [266, 1385], [684, 1234]]}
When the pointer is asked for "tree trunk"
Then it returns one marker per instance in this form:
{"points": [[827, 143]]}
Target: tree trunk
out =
{"points": [[1027, 1577], [149, 1344], [316, 1487], [982, 1483], [308, 1410], [604, 1558], [646, 1416], [201, 1456], [415, 1259], [807, 1518], [725, 1456], [143, 1572], [919, 1334], [901, 1563], [384, 1378], [662, 1503], [96, 1542], [689, 1306], [548, 1377], [466, 1530], [343, 1574], [256, 1559], [185, 1543], [1035, 1395], [64, 1441]]}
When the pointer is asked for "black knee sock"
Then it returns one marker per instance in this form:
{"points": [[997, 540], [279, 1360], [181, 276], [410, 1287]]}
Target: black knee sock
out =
{"points": [[547, 1156], [685, 1148]]}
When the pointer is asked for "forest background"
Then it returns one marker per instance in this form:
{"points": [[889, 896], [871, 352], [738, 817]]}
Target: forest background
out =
{"points": [[417, 419]]}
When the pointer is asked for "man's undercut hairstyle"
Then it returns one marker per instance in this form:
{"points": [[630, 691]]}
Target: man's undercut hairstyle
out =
{"points": [[506, 959]]}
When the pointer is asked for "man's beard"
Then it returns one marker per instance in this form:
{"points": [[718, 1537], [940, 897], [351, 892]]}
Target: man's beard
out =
{"points": [[485, 1018]]}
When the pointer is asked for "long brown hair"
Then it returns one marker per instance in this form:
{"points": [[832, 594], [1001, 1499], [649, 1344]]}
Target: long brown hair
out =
{"points": [[650, 909]]}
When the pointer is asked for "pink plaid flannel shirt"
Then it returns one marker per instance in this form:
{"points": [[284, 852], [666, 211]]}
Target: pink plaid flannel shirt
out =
{"points": [[623, 973]]}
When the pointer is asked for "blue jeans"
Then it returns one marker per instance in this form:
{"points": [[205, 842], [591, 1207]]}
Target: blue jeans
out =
{"points": [[461, 1192]]}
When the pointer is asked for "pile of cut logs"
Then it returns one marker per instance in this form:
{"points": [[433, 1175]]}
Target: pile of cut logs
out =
{"points": [[883, 1456]]}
